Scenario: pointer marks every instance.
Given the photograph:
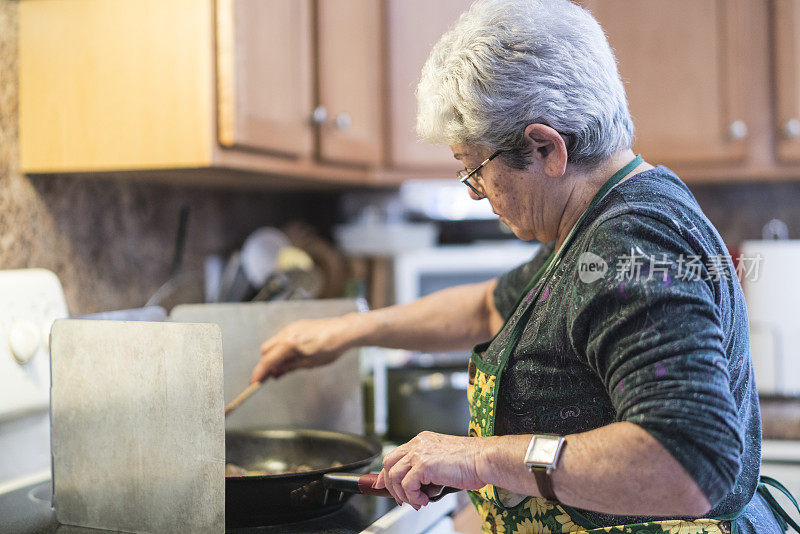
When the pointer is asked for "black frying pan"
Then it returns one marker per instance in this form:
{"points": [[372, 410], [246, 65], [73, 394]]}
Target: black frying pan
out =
{"points": [[275, 499]]}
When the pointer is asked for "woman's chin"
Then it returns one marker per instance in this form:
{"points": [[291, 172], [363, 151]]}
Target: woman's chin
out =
{"points": [[520, 233]]}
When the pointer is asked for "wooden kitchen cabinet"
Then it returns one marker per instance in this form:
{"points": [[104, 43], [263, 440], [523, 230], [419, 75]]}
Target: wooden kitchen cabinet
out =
{"points": [[320, 92], [686, 85], [204, 86], [786, 42], [115, 85], [265, 75], [294, 75], [713, 85], [350, 66], [414, 26]]}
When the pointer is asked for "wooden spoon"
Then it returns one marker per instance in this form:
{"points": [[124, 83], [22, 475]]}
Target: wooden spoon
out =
{"points": [[242, 396]]}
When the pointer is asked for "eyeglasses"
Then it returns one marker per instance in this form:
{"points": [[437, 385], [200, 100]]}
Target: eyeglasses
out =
{"points": [[471, 178]]}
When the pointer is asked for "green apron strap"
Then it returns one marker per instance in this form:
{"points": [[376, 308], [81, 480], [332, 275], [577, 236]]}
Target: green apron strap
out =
{"points": [[783, 518], [769, 481]]}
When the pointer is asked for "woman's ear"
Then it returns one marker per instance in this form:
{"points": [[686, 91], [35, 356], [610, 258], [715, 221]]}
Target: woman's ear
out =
{"points": [[548, 146]]}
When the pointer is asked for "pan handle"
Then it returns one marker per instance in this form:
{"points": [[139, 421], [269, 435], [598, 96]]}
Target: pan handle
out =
{"points": [[364, 484]]}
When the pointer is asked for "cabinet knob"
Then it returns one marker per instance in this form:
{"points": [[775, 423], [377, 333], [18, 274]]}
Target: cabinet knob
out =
{"points": [[319, 115], [737, 130], [343, 121], [791, 129]]}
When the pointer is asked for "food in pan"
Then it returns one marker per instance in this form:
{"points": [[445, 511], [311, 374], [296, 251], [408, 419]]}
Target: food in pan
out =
{"points": [[233, 470]]}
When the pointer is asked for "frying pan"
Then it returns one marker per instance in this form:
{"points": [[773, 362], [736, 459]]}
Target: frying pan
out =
{"points": [[275, 499]]}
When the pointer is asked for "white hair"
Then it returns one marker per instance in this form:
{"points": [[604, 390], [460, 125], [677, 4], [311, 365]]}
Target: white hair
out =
{"points": [[510, 63]]}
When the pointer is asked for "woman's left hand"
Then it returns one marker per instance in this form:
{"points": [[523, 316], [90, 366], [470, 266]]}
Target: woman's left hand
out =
{"points": [[431, 459]]}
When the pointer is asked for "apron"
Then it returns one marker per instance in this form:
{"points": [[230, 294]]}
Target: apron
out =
{"points": [[534, 515]]}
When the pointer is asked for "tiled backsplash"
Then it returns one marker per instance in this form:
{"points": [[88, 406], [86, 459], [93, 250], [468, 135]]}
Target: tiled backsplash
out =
{"points": [[111, 242]]}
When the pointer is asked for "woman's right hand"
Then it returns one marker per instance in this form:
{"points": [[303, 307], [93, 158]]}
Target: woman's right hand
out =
{"points": [[302, 344]]}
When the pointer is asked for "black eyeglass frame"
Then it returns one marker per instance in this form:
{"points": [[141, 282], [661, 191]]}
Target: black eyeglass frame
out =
{"points": [[465, 178]]}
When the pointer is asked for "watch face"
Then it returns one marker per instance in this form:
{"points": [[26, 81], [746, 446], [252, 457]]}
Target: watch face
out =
{"points": [[544, 450]]}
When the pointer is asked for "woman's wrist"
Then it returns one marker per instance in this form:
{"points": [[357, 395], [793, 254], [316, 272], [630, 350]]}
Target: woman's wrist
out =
{"points": [[502, 462], [354, 333], [364, 329], [492, 459]]}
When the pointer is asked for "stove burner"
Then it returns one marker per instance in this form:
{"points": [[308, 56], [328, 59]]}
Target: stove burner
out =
{"points": [[41, 494]]}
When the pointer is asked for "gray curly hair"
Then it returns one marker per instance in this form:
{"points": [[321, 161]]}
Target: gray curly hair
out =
{"points": [[510, 63]]}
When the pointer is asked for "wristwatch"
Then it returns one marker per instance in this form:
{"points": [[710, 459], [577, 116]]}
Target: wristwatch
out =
{"points": [[542, 458]]}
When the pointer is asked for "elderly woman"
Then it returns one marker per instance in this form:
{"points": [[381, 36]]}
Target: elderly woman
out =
{"points": [[616, 392]]}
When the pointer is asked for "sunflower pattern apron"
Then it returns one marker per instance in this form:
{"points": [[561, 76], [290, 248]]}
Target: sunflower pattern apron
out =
{"points": [[534, 515]]}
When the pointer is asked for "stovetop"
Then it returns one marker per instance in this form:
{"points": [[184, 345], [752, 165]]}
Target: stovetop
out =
{"points": [[27, 511]]}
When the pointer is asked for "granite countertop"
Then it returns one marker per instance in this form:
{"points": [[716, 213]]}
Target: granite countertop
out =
{"points": [[780, 417]]}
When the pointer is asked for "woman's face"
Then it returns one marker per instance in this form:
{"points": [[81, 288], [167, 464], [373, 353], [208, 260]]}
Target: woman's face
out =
{"points": [[518, 197]]}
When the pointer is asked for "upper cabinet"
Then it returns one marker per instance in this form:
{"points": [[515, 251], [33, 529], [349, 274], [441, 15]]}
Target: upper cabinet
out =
{"points": [[414, 27], [265, 79], [786, 23], [324, 90], [115, 85], [301, 78], [350, 83], [687, 66], [686, 85], [713, 85], [285, 87]]}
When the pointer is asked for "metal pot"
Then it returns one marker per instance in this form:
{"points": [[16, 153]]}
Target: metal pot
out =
{"points": [[427, 398]]}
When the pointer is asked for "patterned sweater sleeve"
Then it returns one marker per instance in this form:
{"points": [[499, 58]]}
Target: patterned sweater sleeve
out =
{"points": [[651, 330]]}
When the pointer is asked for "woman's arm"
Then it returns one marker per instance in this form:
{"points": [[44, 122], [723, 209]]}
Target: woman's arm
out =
{"points": [[617, 469], [453, 318]]}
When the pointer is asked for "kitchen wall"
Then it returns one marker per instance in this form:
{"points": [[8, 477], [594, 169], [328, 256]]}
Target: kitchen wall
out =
{"points": [[111, 241], [740, 211]]}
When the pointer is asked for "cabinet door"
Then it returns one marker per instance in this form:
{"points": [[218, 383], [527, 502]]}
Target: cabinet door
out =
{"points": [[349, 66], [264, 75], [786, 24], [414, 26], [106, 86], [685, 84]]}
